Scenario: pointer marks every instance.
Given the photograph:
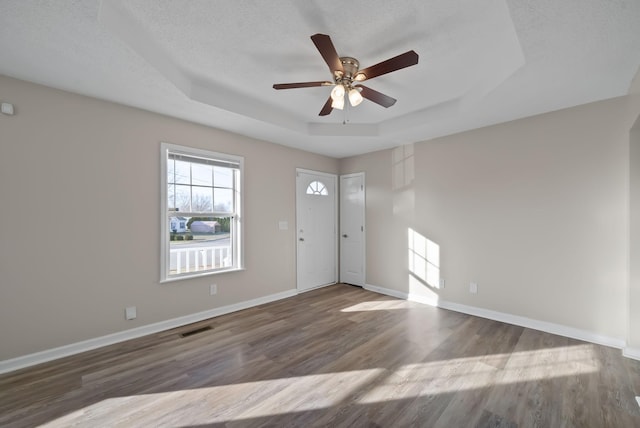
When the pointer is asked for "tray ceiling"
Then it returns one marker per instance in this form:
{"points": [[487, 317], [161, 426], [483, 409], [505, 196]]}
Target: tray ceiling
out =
{"points": [[214, 63]]}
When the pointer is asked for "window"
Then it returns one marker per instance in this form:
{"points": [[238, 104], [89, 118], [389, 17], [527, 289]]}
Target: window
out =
{"points": [[201, 217], [317, 188]]}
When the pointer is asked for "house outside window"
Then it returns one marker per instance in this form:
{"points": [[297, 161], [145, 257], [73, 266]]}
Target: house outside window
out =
{"points": [[201, 212]]}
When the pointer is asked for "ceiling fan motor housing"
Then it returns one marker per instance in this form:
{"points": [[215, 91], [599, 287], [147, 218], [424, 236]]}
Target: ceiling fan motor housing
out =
{"points": [[350, 68]]}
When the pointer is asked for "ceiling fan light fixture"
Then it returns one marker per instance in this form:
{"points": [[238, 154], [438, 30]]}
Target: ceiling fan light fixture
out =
{"points": [[360, 77], [354, 97], [338, 93], [338, 103]]}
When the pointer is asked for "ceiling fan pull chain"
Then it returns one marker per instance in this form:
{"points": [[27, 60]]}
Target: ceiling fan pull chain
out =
{"points": [[344, 113]]}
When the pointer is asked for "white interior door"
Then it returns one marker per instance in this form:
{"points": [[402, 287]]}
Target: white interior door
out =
{"points": [[352, 236], [316, 227]]}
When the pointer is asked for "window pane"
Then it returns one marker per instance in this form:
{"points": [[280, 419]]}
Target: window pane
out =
{"points": [[170, 170], [201, 199], [201, 175], [171, 197], [317, 188], [183, 198], [206, 245], [222, 177], [223, 200], [183, 172]]}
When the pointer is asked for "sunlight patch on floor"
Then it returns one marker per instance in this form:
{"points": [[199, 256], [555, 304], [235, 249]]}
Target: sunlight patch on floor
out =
{"points": [[438, 377], [227, 402], [296, 394], [377, 305]]}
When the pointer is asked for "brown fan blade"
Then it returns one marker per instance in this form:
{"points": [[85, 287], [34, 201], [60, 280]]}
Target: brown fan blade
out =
{"points": [[300, 85], [328, 52], [326, 109], [376, 97], [401, 61]]}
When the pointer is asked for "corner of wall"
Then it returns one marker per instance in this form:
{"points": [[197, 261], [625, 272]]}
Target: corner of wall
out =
{"points": [[634, 88]]}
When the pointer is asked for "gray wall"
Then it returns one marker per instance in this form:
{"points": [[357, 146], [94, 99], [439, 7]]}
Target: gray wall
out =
{"points": [[534, 211], [71, 164]]}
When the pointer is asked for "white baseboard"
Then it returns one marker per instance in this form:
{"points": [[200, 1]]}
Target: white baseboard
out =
{"points": [[547, 327], [402, 295], [110, 339], [387, 291], [633, 353]]}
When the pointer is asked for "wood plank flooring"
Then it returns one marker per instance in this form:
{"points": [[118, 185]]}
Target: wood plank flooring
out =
{"points": [[338, 356]]}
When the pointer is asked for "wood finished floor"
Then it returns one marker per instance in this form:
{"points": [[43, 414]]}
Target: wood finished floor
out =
{"points": [[338, 356]]}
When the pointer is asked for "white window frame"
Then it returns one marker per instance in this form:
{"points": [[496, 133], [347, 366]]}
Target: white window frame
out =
{"points": [[237, 236]]}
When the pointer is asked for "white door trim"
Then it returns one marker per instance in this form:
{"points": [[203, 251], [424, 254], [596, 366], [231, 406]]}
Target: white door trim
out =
{"points": [[335, 177]]}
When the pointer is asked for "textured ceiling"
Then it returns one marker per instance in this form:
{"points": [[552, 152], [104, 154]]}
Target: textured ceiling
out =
{"points": [[215, 62]]}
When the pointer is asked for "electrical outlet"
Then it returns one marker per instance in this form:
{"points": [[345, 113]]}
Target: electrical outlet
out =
{"points": [[7, 109], [441, 283], [213, 289], [130, 313], [473, 288]]}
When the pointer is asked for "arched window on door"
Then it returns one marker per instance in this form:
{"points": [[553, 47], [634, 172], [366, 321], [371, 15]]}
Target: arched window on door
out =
{"points": [[317, 188]]}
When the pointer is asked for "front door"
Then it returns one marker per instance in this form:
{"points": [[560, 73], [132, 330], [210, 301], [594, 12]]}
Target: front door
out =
{"points": [[316, 201], [352, 243]]}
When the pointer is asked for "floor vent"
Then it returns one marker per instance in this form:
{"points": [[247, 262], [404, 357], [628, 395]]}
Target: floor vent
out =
{"points": [[196, 331]]}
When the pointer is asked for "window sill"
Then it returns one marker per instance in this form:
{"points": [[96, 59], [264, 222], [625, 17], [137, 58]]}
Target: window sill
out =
{"points": [[199, 275]]}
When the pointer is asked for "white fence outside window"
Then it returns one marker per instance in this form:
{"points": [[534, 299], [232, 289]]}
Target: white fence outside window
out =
{"points": [[182, 260]]}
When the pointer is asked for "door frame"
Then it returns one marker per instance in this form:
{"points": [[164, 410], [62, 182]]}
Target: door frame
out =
{"points": [[336, 261], [364, 223]]}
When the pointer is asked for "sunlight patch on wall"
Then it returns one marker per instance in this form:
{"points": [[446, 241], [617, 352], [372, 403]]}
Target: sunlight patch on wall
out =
{"points": [[402, 178], [403, 166], [424, 258], [421, 294]]}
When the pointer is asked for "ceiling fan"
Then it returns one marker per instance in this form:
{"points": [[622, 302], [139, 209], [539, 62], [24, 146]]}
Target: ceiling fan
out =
{"points": [[346, 72]]}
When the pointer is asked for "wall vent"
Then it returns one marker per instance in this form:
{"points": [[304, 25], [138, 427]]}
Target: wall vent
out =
{"points": [[195, 331]]}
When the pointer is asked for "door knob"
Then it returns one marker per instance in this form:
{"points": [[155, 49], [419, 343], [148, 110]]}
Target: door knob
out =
{"points": [[344, 236], [301, 239]]}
